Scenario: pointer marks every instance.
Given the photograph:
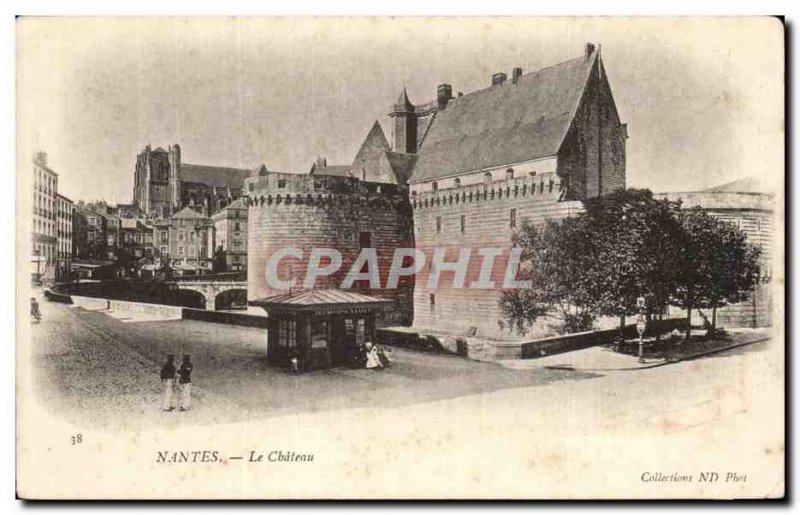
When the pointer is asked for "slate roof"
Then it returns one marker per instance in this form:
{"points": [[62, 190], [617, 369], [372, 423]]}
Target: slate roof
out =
{"points": [[402, 165], [187, 213], [218, 176], [504, 124], [330, 297]]}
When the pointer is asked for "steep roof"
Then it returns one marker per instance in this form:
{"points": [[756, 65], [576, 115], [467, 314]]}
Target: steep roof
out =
{"points": [[401, 165], [504, 124], [217, 176], [188, 213]]}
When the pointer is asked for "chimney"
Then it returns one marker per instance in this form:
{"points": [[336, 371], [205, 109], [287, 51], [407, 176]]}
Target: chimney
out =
{"points": [[516, 73], [589, 50], [498, 79], [444, 93], [41, 158]]}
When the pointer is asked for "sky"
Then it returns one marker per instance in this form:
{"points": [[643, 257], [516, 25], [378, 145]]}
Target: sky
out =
{"points": [[702, 97]]}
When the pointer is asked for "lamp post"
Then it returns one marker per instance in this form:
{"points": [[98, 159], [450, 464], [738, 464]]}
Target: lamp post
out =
{"points": [[640, 327]]}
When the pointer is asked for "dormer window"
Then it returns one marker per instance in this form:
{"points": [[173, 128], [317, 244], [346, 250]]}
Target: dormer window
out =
{"points": [[435, 186], [457, 182], [487, 179], [509, 173]]}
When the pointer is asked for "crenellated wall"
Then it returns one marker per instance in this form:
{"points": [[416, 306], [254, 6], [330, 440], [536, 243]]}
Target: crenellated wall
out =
{"points": [[308, 211], [487, 215]]}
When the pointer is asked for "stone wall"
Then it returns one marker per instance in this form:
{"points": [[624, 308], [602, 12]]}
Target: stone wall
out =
{"points": [[487, 217], [310, 211], [754, 214]]}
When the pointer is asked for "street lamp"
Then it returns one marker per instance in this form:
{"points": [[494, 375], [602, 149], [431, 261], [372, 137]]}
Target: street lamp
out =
{"points": [[640, 327]]}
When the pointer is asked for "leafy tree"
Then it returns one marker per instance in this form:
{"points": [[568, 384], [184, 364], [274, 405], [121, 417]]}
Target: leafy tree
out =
{"points": [[557, 259], [719, 266], [638, 241]]}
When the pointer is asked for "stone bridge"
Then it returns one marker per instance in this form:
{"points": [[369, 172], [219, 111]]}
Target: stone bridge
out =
{"points": [[210, 288]]}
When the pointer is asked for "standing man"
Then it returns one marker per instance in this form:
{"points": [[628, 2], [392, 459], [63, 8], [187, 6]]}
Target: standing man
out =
{"points": [[168, 378], [185, 381]]}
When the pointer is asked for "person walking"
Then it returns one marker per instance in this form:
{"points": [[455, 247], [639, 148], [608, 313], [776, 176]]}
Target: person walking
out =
{"points": [[185, 382], [168, 378]]}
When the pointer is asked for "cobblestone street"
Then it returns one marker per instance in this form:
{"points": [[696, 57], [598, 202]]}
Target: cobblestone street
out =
{"points": [[90, 364]]}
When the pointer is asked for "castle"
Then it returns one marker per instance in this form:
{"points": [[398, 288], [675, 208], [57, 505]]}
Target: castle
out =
{"points": [[163, 184], [462, 174]]}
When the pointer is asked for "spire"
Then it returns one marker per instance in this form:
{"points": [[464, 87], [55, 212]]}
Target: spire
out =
{"points": [[403, 104]]}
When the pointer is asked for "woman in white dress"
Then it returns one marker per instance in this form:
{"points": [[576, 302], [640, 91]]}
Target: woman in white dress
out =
{"points": [[373, 360]]}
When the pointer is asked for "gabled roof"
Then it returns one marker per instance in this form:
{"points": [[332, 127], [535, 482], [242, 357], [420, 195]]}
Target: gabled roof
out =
{"points": [[188, 213], [218, 176], [402, 165], [505, 124], [375, 161]]}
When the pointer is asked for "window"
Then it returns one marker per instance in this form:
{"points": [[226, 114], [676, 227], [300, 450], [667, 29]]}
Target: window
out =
{"points": [[163, 250], [457, 182], [438, 225], [319, 334], [364, 240], [513, 218], [180, 235], [550, 186], [432, 298], [487, 179], [510, 173], [180, 251], [287, 333], [281, 183], [463, 223], [435, 186], [237, 227]]}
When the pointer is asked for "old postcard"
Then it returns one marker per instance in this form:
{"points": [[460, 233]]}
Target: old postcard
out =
{"points": [[400, 258]]}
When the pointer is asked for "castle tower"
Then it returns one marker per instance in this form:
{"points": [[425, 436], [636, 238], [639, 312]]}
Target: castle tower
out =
{"points": [[405, 125]]}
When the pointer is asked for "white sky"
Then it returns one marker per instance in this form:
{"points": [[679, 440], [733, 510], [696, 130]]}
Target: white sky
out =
{"points": [[703, 98]]}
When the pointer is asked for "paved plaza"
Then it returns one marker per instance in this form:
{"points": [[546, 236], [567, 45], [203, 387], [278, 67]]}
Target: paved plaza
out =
{"points": [[102, 369]]}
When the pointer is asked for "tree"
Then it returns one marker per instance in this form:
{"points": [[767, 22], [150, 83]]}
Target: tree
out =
{"points": [[638, 242], [621, 247], [557, 259], [719, 266]]}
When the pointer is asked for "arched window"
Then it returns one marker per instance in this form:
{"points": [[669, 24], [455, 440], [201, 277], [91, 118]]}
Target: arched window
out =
{"points": [[510, 173], [487, 179], [457, 182], [435, 186]]}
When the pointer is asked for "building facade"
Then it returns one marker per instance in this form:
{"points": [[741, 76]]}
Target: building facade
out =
{"points": [[44, 215], [64, 215], [190, 241], [230, 225], [163, 184]]}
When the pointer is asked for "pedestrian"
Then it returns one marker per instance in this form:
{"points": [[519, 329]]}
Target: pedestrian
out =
{"points": [[168, 378], [293, 363], [185, 382], [373, 361]]}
